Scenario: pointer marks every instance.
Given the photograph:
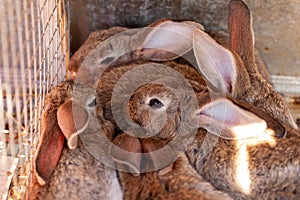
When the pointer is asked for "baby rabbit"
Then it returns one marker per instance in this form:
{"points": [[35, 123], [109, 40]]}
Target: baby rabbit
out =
{"points": [[64, 173], [233, 69], [156, 108]]}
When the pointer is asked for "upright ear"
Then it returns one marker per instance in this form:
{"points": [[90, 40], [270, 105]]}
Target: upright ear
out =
{"points": [[225, 119], [216, 63], [56, 125], [168, 40], [241, 36]]}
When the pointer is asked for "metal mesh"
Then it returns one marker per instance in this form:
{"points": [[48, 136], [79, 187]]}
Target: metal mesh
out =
{"points": [[33, 54]]}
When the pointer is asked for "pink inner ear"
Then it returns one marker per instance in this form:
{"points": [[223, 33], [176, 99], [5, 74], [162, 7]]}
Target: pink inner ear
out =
{"points": [[215, 62], [240, 32], [227, 120], [168, 40], [72, 119], [50, 148]]}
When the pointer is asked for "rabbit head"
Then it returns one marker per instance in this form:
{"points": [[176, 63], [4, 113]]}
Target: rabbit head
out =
{"points": [[154, 111], [117, 84], [154, 107], [149, 167], [73, 172], [93, 40], [233, 70], [66, 115]]}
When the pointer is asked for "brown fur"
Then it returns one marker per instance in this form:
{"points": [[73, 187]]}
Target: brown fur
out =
{"points": [[77, 175], [249, 85], [94, 39], [241, 38], [182, 182], [108, 81], [177, 180], [273, 167]]}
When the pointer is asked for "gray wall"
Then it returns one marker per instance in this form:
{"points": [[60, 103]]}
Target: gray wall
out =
{"points": [[276, 23]]}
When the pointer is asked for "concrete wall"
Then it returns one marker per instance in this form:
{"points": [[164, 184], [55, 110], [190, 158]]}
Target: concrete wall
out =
{"points": [[276, 23]]}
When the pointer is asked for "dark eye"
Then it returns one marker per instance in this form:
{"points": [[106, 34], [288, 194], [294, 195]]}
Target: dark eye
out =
{"points": [[155, 103], [92, 103]]}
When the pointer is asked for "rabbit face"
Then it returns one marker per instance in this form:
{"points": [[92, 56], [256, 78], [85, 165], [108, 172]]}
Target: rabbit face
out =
{"points": [[156, 109]]}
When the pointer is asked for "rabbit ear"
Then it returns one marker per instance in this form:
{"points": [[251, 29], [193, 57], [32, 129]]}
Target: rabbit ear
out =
{"points": [[50, 146], [70, 126], [241, 36], [217, 64], [168, 40], [225, 119], [126, 152], [55, 127]]}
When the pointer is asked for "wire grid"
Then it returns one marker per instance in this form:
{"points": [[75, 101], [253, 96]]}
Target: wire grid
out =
{"points": [[34, 50]]}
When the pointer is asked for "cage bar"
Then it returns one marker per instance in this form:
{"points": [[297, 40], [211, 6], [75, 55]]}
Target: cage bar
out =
{"points": [[34, 51]]}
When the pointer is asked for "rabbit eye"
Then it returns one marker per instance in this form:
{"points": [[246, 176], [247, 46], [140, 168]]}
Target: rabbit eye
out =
{"points": [[92, 103], [155, 103]]}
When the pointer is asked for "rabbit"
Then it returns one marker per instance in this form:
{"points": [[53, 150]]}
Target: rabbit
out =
{"points": [[141, 72], [94, 39], [269, 163], [265, 166], [149, 105], [137, 45], [233, 68], [71, 172]]}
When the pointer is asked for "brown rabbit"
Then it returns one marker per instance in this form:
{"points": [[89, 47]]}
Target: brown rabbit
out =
{"points": [[155, 42], [144, 175], [264, 166], [119, 83], [94, 39], [63, 173], [233, 69]]}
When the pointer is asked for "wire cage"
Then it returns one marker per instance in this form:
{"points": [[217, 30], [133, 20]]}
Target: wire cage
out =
{"points": [[34, 50]]}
